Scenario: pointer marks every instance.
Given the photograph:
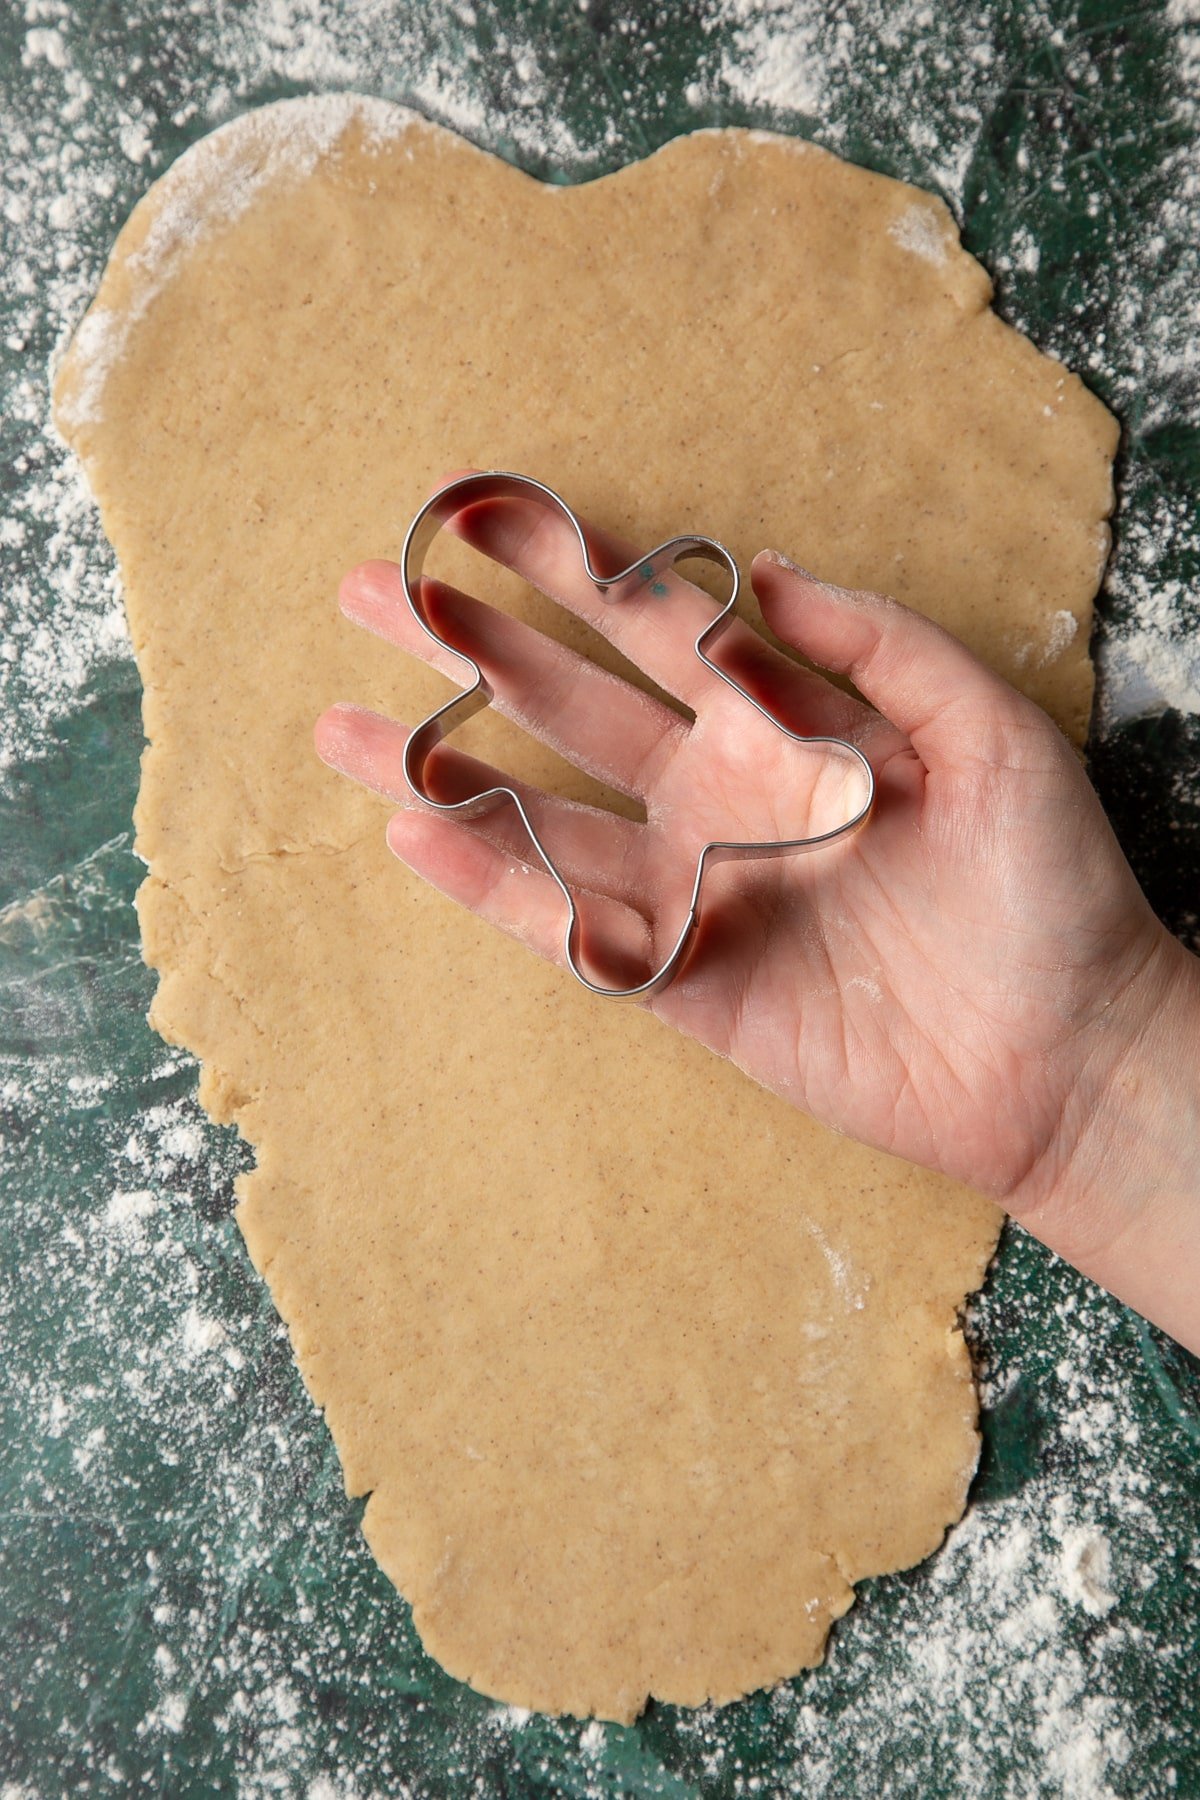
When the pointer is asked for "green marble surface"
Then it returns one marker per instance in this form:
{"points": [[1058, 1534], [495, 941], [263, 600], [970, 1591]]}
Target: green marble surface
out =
{"points": [[186, 1606]]}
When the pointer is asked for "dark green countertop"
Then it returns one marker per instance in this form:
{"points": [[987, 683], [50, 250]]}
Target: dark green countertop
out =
{"points": [[186, 1607]]}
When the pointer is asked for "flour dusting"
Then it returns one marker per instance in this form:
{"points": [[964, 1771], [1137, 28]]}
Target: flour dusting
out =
{"points": [[919, 230], [232, 1633], [219, 178]]}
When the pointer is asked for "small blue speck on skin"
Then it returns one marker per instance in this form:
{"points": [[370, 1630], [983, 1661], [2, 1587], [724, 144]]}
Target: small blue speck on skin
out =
{"points": [[659, 588], [646, 571]]}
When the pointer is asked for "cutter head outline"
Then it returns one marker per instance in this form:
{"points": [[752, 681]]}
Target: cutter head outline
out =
{"points": [[491, 484]]}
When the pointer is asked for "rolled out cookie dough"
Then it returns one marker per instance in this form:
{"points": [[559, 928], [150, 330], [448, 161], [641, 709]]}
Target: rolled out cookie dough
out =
{"points": [[641, 1369]]}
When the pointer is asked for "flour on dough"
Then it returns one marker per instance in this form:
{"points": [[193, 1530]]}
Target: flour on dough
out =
{"points": [[640, 1369]]}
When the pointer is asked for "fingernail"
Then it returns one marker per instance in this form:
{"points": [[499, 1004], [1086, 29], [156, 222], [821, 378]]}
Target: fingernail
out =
{"points": [[331, 734], [368, 587], [785, 562]]}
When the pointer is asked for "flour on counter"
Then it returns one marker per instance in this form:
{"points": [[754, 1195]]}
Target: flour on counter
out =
{"points": [[985, 1632], [1008, 1649], [66, 186]]}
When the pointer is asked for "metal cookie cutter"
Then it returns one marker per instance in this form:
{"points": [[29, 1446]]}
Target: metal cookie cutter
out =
{"points": [[494, 484]]}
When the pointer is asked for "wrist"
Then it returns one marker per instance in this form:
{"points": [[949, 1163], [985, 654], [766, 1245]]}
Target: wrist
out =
{"points": [[1117, 1191]]}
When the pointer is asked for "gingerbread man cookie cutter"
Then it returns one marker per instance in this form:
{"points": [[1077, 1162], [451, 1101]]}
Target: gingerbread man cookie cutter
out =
{"points": [[493, 484]]}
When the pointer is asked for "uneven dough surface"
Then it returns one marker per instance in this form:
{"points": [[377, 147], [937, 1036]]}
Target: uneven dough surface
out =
{"points": [[640, 1369]]}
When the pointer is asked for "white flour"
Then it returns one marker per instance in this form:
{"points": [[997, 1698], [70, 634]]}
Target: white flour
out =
{"points": [[986, 1634], [1009, 1649], [68, 172], [239, 160]]}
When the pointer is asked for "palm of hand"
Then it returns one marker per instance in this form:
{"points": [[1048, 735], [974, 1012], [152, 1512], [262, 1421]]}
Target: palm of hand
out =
{"points": [[927, 986], [924, 987]]}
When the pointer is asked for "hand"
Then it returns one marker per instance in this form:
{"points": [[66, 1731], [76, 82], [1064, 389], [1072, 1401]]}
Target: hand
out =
{"points": [[962, 983]]}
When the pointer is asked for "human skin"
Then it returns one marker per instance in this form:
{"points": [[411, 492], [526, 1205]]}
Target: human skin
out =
{"points": [[975, 981]]}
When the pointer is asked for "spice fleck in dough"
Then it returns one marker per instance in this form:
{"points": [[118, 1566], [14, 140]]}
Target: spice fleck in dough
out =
{"points": [[641, 1369]]}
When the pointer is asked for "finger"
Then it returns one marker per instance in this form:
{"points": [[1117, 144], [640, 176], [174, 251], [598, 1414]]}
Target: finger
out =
{"points": [[521, 899], [591, 847], [951, 706], [656, 628], [803, 701], [597, 721]]}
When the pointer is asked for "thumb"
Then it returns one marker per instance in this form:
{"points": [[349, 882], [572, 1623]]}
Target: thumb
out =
{"points": [[951, 706]]}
